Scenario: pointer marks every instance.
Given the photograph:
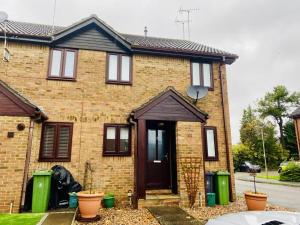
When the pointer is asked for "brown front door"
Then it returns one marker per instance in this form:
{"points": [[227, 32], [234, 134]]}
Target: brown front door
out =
{"points": [[158, 155]]}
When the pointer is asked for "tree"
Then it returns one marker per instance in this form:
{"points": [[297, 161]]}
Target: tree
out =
{"points": [[277, 104], [252, 143], [241, 153], [289, 139]]}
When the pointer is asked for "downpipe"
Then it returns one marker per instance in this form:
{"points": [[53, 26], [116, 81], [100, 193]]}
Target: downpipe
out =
{"points": [[225, 130], [132, 197], [27, 162]]}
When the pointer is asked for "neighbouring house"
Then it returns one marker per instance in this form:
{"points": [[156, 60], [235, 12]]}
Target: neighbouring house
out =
{"points": [[296, 116], [86, 92]]}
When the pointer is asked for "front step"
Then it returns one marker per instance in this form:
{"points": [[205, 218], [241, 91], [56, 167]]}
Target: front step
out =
{"points": [[159, 192], [159, 198]]}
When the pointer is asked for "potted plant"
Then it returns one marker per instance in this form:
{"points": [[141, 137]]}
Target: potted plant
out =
{"points": [[89, 201], [255, 201], [109, 200]]}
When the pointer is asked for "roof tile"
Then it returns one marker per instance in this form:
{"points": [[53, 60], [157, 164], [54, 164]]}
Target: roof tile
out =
{"points": [[136, 41]]}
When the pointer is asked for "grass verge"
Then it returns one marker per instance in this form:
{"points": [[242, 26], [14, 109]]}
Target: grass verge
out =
{"points": [[21, 218], [272, 177]]}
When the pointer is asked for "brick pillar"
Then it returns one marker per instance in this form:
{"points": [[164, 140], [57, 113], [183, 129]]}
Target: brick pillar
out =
{"points": [[189, 144]]}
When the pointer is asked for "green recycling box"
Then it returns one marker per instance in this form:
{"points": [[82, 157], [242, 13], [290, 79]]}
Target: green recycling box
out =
{"points": [[222, 188], [41, 190], [211, 199]]}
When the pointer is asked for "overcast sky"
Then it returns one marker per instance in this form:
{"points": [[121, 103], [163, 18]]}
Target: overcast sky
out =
{"points": [[264, 33]]}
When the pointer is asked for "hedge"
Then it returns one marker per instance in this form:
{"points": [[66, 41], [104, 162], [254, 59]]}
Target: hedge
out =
{"points": [[291, 172]]}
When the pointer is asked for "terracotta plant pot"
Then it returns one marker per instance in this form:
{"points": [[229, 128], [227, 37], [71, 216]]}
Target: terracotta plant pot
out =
{"points": [[256, 201], [89, 204]]}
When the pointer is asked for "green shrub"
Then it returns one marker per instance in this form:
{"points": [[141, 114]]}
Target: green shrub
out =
{"points": [[291, 172]]}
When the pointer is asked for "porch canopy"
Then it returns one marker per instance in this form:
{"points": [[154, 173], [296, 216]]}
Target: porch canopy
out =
{"points": [[14, 104], [169, 105]]}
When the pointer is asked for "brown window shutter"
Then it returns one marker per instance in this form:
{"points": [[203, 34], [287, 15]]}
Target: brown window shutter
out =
{"points": [[48, 141], [63, 144], [56, 142]]}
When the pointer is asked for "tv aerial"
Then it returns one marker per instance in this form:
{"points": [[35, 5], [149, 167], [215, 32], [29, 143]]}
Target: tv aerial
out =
{"points": [[188, 20], [197, 92], [6, 53]]}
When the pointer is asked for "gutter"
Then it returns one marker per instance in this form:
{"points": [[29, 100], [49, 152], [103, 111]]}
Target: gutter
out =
{"points": [[225, 130], [39, 116], [27, 39], [187, 54], [27, 162]]}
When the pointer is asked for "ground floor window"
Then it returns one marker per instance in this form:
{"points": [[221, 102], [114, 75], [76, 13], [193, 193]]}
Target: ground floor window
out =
{"points": [[56, 142], [210, 143], [117, 140]]}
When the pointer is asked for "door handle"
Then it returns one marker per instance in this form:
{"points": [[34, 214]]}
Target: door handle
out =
{"points": [[156, 161], [166, 157]]}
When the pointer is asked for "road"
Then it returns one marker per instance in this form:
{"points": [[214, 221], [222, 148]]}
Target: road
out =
{"points": [[277, 194]]}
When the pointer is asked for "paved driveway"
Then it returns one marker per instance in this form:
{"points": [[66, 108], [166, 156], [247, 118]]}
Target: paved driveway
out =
{"points": [[277, 194]]}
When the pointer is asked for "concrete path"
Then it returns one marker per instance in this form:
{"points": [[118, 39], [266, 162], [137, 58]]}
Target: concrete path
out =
{"points": [[172, 216], [59, 218], [285, 196]]}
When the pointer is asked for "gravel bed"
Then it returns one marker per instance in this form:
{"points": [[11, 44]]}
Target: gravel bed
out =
{"points": [[205, 213], [124, 216], [128, 216]]}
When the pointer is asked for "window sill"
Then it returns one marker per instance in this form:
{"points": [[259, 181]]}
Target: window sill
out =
{"points": [[116, 154], [54, 160], [118, 82], [209, 88], [61, 79], [211, 159]]}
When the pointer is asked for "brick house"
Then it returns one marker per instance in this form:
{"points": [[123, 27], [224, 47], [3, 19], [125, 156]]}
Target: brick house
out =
{"points": [[119, 101], [296, 116]]}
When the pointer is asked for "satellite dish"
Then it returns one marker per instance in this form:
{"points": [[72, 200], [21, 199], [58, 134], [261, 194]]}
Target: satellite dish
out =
{"points": [[3, 16], [196, 92]]}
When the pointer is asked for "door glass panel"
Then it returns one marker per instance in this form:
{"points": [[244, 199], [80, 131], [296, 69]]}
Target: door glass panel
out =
{"points": [[161, 144], [151, 145]]}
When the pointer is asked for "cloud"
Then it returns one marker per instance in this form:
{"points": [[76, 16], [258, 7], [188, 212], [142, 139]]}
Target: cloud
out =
{"points": [[265, 34]]}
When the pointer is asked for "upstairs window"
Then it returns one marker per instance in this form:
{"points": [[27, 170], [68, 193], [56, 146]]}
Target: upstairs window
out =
{"points": [[56, 142], [202, 74], [117, 140], [119, 69], [62, 64], [210, 143]]}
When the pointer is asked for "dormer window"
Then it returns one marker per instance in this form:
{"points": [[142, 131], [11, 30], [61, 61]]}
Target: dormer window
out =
{"points": [[202, 75], [119, 69], [62, 64]]}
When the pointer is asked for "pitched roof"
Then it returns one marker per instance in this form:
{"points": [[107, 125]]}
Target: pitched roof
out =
{"points": [[169, 105], [27, 107], [177, 45], [296, 113], [29, 29], [136, 42]]}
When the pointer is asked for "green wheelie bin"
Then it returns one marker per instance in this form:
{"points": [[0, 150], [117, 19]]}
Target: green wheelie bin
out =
{"points": [[41, 190], [222, 187]]}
